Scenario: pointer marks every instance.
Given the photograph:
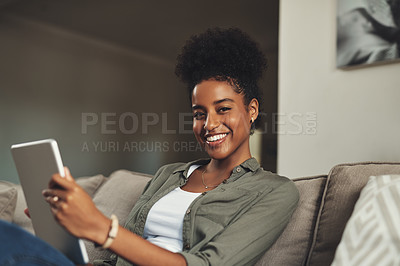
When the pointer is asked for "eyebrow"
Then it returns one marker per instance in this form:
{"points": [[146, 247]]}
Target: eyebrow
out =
{"points": [[195, 107], [223, 100]]}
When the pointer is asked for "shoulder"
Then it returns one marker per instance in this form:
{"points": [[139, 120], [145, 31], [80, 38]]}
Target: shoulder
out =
{"points": [[170, 168], [165, 171], [267, 178], [271, 183], [163, 174]]}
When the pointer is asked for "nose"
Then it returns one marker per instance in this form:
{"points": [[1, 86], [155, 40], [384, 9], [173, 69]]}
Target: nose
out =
{"points": [[212, 122]]}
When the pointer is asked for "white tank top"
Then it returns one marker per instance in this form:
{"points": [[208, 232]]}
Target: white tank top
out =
{"points": [[165, 220]]}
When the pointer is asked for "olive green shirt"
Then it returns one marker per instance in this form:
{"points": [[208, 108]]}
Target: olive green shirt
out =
{"points": [[233, 224]]}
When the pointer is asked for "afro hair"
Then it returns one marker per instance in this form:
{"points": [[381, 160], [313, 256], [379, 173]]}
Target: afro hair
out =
{"points": [[224, 55]]}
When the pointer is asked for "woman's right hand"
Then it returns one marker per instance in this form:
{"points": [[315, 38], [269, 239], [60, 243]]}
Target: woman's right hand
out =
{"points": [[74, 209]]}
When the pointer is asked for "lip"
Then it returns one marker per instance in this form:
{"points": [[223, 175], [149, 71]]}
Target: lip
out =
{"points": [[217, 142]]}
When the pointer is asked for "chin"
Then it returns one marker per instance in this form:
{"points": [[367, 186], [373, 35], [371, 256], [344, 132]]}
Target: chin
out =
{"points": [[216, 154]]}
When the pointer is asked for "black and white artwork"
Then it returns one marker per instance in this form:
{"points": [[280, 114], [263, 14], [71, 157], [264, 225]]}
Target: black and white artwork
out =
{"points": [[368, 31]]}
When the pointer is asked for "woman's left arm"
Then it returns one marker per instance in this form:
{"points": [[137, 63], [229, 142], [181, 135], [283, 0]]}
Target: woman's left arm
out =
{"points": [[73, 208]]}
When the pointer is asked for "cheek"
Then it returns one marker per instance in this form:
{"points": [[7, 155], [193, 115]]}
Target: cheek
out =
{"points": [[197, 127], [238, 122]]}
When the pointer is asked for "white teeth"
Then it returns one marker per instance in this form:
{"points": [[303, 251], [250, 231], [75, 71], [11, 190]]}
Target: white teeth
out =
{"points": [[216, 137]]}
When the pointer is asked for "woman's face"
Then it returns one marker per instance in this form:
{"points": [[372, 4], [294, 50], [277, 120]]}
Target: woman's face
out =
{"points": [[221, 121]]}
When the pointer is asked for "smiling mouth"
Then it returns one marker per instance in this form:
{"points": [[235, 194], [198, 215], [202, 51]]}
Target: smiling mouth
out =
{"points": [[216, 137]]}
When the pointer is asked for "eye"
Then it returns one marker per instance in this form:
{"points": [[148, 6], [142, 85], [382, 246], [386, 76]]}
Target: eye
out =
{"points": [[224, 109], [198, 115]]}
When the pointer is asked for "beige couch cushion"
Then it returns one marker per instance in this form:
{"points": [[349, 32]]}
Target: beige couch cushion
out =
{"points": [[292, 247], [8, 200], [91, 183], [342, 189], [117, 196]]}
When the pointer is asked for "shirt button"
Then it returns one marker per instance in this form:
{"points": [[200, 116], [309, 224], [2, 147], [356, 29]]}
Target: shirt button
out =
{"points": [[188, 211], [238, 169]]}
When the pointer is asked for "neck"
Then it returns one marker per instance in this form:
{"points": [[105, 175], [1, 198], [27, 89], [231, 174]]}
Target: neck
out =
{"points": [[227, 164]]}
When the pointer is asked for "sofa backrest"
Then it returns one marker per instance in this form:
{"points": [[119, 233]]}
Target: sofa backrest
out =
{"points": [[342, 190], [311, 237], [326, 204]]}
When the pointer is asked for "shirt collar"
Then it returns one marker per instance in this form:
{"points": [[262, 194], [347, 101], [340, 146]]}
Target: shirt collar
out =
{"points": [[250, 164], [185, 167]]}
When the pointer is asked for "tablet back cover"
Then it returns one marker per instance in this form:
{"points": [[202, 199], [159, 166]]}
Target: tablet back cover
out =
{"points": [[36, 162]]}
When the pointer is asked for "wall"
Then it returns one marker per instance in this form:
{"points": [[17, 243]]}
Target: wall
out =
{"points": [[357, 111], [50, 78]]}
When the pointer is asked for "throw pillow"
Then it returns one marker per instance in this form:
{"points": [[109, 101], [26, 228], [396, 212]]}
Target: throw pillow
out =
{"points": [[342, 190], [8, 200], [372, 234]]}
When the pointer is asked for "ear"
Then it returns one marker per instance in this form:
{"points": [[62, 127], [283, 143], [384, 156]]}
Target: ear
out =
{"points": [[253, 109]]}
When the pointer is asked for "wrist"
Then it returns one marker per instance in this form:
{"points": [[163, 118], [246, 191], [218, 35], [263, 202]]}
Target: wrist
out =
{"points": [[100, 234], [112, 234]]}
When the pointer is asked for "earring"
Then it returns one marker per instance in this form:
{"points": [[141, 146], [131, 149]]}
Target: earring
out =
{"points": [[252, 126]]}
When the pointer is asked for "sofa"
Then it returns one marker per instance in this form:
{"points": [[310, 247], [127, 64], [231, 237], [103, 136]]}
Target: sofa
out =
{"points": [[311, 237]]}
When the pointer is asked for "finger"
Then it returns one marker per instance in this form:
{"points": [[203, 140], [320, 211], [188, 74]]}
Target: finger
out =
{"points": [[56, 202], [68, 174], [55, 212], [53, 201], [56, 206], [60, 194], [64, 183]]}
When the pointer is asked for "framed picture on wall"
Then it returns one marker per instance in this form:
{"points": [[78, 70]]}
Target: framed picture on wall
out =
{"points": [[368, 31]]}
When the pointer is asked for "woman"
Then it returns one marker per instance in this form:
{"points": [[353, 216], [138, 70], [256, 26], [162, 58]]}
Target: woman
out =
{"points": [[225, 210]]}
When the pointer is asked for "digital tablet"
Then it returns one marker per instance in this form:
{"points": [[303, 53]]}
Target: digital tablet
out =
{"points": [[36, 162]]}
